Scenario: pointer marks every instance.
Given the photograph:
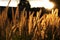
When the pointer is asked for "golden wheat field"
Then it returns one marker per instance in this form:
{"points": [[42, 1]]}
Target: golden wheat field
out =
{"points": [[20, 27]]}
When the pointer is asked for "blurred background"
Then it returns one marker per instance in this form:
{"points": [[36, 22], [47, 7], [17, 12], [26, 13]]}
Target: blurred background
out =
{"points": [[25, 4]]}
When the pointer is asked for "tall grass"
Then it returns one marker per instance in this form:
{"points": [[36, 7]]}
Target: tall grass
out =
{"points": [[32, 28]]}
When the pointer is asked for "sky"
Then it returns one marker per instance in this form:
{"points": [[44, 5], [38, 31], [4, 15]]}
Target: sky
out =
{"points": [[13, 3], [41, 3], [33, 3]]}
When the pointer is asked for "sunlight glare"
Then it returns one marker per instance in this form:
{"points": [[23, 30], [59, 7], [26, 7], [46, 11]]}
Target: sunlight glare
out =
{"points": [[41, 3], [13, 3]]}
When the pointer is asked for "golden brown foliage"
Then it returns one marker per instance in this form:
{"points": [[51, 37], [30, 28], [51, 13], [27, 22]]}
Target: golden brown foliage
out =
{"points": [[37, 27]]}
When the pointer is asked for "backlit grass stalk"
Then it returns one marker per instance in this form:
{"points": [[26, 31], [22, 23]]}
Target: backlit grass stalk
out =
{"points": [[38, 27]]}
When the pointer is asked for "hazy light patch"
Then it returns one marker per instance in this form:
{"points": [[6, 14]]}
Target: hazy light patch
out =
{"points": [[49, 5], [13, 3], [35, 4], [41, 3]]}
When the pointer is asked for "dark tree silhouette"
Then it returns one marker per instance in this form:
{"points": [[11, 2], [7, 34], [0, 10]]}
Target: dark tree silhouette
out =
{"points": [[24, 4]]}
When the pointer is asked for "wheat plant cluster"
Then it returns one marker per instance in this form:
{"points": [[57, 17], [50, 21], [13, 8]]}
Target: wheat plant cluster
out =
{"points": [[20, 27]]}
